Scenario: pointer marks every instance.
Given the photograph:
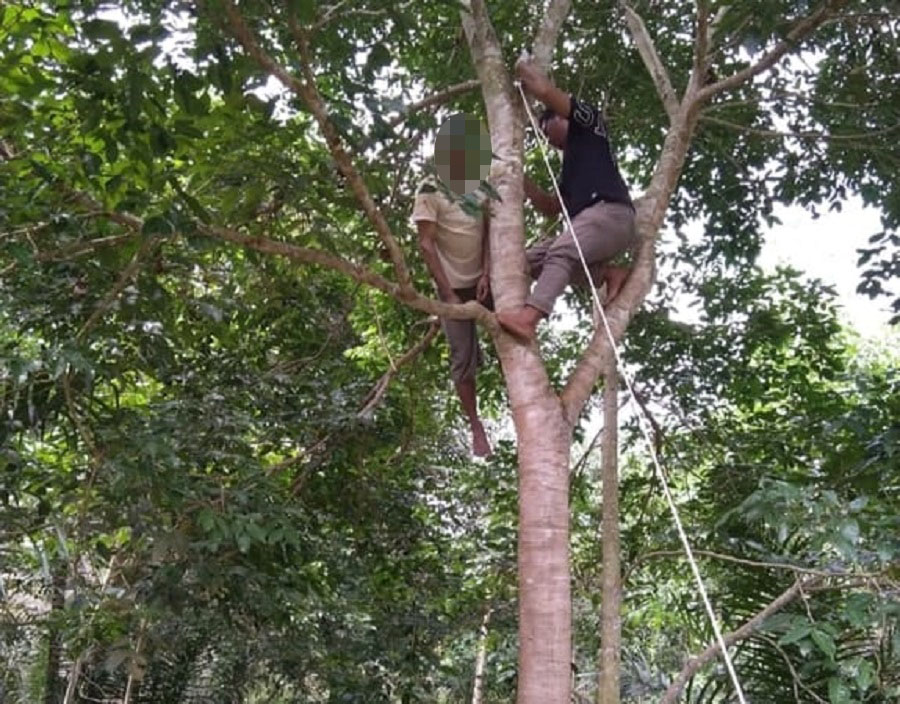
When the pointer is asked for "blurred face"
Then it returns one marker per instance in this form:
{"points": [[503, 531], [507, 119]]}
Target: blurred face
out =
{"points": [[556, 129]]}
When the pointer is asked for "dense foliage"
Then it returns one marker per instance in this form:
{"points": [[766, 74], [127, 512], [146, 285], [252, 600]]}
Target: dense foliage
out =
{"points": [[193, 506]]}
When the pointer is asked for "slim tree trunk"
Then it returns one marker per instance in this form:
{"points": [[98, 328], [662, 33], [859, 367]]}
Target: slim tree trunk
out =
{"points": [[481, 658], [611, 605], [53, 683]]}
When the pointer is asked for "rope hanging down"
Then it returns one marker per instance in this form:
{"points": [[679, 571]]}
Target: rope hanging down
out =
{"points": [[642, 421]]}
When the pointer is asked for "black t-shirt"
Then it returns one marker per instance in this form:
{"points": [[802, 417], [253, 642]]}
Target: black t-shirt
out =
{"points": [[589, 171]]}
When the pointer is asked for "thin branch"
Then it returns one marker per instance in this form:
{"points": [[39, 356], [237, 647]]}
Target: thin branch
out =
{"points": [[332, 13], [583, 378], [694, 665], [471, 310], [434, 100], [647, 49], [801, 29], [794, 674], [752, 563], [127, 220], [465, 311], [377, 393], [128, 273], [76, 249], [799, 135], [545, 40], [308, 92], [701, 40]]}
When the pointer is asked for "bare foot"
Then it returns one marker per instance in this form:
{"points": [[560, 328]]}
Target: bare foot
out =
{"points": [[480, 445], [521, 322], [615, 277]]}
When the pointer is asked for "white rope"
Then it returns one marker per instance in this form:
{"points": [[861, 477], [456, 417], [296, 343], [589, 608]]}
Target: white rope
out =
{"points": [[642, 421]]}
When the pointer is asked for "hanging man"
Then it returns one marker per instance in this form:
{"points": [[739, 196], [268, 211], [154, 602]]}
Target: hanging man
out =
{"points": [[454, 245], [594, 194]]}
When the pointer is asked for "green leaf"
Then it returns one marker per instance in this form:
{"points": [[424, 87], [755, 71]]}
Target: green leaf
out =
{"points": [[102, 29], [157, 225], [850, 530], [42, 170], [243, 541], [824, 642], [256, 532], [796, 633], [859, 503], [379, 57], [195, 206], [305, 10], [838, 693], [160, 141], [865, 675]]}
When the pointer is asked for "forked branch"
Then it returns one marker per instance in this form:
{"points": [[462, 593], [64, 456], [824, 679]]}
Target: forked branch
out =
{"points": [[309, 93], [801, 29], [647, 49], [548, 33], [376, 393]]}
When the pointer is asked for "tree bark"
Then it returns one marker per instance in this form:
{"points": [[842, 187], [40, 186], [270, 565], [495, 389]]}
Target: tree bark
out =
{"points": [[52, 681], [481, 658], [544, 436], [611, 605]]}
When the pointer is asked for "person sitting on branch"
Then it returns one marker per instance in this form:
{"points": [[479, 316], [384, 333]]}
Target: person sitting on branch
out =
{"points": [[593, 193]]}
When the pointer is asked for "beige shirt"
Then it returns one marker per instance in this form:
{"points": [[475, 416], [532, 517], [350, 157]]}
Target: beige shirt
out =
{"points": [[459, 236]]}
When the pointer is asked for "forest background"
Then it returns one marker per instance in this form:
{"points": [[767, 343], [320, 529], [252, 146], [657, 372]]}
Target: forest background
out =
{"points": [[232, 468]]}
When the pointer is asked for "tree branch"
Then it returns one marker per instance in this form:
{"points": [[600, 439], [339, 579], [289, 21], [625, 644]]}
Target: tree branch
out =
{"points": [[753, 563], [701, 41], [647, 49], [800, 135], [306, 255], [376, 393], [693, 665], [433, 100], [801, 29], [548, 33], [128, 273], [76, 249], [581, 381], [310, 95]]}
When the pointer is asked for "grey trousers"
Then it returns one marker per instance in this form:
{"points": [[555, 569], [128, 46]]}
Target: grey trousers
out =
{"points": [[462, 335], [604, 230]]}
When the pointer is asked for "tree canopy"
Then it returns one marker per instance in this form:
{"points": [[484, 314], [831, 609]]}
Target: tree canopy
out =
{"points": [[231, 466]]}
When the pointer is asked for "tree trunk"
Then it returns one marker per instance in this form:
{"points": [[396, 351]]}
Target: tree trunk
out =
{"points": [[545, 629], [481, 658], [52, 681], [611, 606], [544, 436]]}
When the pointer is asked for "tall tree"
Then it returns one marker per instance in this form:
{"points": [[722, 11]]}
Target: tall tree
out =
{"points": [[113, 145]]}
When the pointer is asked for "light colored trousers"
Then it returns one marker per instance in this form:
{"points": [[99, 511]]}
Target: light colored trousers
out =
{"points": [[604, 230]]}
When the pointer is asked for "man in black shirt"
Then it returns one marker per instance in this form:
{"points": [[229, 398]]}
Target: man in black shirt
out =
{"points": [[594, 194]]}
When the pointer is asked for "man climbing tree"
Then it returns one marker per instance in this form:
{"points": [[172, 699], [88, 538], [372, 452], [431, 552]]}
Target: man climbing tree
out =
{"points": [[594, 194], [454, 245]]}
